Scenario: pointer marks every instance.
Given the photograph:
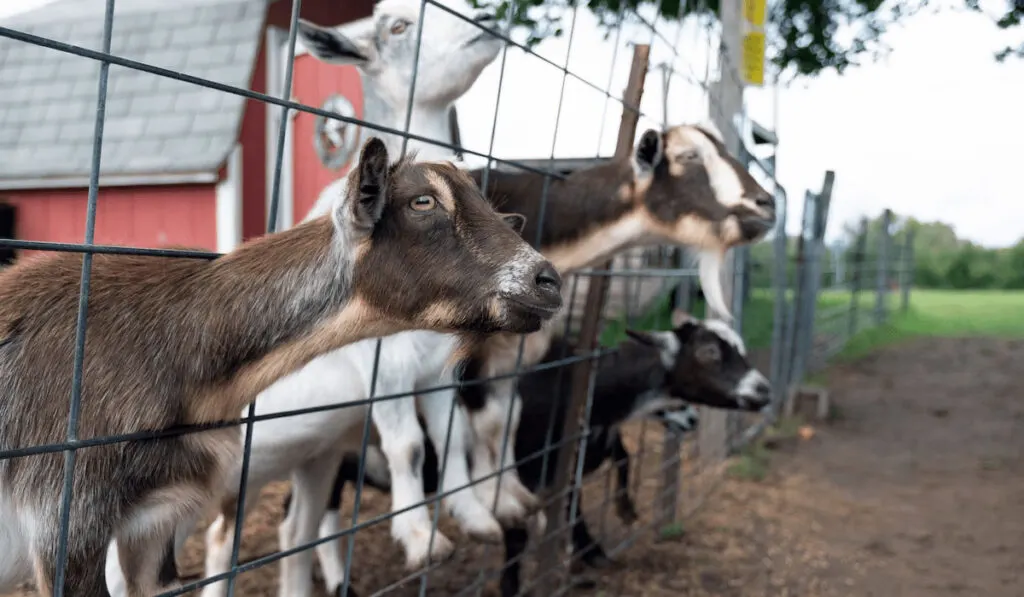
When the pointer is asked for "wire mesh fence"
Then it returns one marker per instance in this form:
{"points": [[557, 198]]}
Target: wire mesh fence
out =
{"points": [[793, 311]]}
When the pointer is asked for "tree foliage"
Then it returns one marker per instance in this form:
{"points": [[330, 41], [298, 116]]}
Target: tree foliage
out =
{"points": [[941, 259], [805, 37]]}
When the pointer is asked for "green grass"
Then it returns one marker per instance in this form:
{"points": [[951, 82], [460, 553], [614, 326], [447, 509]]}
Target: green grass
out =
{"points": [[671, 531], [751, 464], [945, 314], [937, 313]]}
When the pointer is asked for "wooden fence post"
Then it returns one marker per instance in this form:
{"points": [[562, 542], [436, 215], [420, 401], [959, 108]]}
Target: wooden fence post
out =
{"points": [[554, 551]]}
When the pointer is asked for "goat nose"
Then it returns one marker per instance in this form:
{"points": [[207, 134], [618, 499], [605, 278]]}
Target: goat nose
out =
{"points": [[548, 279], [763, 388], [484, 17]]}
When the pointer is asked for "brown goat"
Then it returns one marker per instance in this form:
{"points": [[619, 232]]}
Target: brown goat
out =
{"points": [[179, 341], [680, 186]]}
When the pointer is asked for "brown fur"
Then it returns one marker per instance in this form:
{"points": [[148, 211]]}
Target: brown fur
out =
{"points": [[665, 193], [171, 341]]}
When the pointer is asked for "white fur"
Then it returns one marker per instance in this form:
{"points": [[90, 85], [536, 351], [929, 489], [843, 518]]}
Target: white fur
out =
{"points": [[15, 540], [447, 69], [710, 274], [310, 446], [669, 347], [686, 419], [724, 331], [747, 387]]}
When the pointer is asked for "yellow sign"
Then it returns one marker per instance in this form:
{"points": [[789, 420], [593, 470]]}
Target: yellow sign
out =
{"points": [[753, 58], [754, 12], [753, 42]]}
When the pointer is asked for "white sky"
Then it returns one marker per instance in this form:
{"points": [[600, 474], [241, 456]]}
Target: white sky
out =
{"points": [[935, 131]]}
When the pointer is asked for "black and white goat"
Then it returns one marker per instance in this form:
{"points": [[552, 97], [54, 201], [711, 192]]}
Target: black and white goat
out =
{"points": [[653, 374]]}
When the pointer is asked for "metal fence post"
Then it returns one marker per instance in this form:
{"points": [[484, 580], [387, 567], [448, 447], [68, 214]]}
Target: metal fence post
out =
{"points": [[882, 266], [858, 277], [780, 284], [907, 269]]}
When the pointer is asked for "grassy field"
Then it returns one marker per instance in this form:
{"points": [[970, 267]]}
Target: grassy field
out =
{"points": [[947, 314], [942, 313]]}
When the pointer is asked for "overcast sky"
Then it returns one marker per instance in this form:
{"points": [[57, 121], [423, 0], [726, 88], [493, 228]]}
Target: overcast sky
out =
{"points": [[935, 131]]}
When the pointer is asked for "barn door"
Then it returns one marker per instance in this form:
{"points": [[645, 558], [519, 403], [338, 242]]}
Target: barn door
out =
{"points": [[7, 217]]}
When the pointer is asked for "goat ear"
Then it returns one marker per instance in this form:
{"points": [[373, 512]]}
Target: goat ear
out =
{"points": [[679, 317], [648, 151], [516, 221], [371, 185], [332, 46]]}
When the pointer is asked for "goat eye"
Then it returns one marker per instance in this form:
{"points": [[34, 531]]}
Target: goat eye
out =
{"points": [[709, 354], [399, 27], [691, 155], [423, 203]]}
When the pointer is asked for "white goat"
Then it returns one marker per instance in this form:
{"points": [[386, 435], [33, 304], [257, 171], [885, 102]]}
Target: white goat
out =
{"points": [[452, 55]]}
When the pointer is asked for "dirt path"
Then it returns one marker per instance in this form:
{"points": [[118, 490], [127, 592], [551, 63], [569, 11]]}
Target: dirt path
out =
{"points": [[917, 489]]}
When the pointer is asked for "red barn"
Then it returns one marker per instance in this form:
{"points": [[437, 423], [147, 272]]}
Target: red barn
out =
{"points": [[181, 164]]}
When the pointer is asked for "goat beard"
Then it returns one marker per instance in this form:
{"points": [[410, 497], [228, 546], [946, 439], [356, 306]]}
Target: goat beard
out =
{"points": [[710, 273]]}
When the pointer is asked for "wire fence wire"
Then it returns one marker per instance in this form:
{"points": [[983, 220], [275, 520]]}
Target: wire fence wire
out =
{"points": [[795, 310]]}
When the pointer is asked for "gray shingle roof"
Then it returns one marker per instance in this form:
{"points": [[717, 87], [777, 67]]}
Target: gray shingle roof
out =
{"points": [[154, 125]]}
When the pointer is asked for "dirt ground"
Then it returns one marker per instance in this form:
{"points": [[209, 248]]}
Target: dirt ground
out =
{"points": [[916, 488]]}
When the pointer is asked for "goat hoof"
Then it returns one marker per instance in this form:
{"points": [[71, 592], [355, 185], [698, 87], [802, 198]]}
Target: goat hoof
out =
{"points": [[486, 533], [479, 525], [351, 592], [529, 501], [420, 556], [510, 512]]}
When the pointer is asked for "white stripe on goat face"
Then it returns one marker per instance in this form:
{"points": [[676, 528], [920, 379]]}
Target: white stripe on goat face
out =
{"points": [[669, 347], [726, 333]]}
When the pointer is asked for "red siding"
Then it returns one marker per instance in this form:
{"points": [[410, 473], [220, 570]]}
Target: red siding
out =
{"points": [[313, 82], [135, 216], [324, 12], [254, 153]]}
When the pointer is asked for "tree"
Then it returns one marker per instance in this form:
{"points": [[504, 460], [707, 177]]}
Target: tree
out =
{"points": [[805, 37]]}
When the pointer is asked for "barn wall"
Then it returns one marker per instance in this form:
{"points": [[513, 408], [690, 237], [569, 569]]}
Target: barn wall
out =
{"points": [[254, 147], [322, 12], [313, 83], [182, 215]]}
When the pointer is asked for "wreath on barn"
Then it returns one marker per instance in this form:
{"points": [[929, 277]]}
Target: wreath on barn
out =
{"points": [[335, 140]]}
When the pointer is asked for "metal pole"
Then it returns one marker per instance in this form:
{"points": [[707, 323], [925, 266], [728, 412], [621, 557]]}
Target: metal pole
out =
{"points": [[858, 277], [882, 267], [907, 279], [780, 283]]}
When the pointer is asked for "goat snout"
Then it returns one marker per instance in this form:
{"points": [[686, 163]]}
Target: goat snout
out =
{"points": [[547, 279], [757, 221], [547, 287], [754, 391]]}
